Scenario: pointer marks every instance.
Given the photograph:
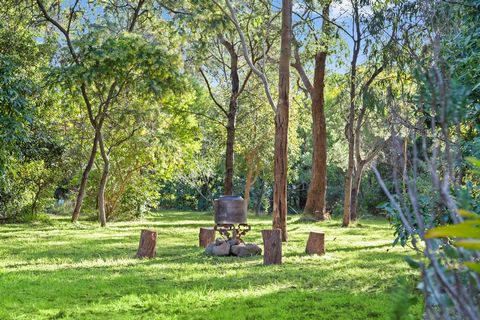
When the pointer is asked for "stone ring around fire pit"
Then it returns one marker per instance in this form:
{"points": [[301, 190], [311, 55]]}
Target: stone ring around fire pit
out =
{"points": [[232, 247]]}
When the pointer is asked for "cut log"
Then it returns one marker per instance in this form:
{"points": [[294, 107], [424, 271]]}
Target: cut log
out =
{"points": [[206, 236], [316, 243], [272, 246], [148, 242]]}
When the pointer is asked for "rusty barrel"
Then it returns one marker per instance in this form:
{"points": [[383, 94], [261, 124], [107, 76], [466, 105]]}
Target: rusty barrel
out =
{"points": [[230, 210]]}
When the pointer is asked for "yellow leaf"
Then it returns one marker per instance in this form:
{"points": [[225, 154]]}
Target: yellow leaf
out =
{"points": [[468, 244], [475, 266], [466, 229], [467, 214]]}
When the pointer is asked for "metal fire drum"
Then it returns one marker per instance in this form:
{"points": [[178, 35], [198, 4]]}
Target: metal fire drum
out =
{"points": [[231, 216]]}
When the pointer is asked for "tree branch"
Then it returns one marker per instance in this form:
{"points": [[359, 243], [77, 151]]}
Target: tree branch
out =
{"points": [[136, 13], [211, 93], [255, 70]]}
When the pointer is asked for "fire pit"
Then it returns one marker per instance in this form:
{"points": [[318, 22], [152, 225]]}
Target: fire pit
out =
{"points": [[231, 223], [231, 217]]}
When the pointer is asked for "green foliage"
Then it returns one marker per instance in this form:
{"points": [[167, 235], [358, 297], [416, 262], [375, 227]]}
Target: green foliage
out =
{"points": [[30, 155], [466, 233]]}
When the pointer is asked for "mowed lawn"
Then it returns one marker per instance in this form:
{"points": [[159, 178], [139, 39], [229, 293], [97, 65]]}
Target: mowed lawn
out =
{"points": [[63, 271]]}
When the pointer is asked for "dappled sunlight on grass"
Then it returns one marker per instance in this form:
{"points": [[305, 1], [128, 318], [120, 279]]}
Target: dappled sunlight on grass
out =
{"points": [[84, 272]]}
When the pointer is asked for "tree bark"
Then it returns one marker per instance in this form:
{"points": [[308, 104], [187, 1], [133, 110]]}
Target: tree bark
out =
{"points": [[231, 119], [102, 217], [147, 245], [83, 182], [355, 192], [351, 119], [229, 152], [258, 202], [272, 246], [281, 125], [316, 202]]}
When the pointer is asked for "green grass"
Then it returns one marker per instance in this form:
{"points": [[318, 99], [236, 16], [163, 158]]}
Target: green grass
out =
{"points": [[62, 271]]}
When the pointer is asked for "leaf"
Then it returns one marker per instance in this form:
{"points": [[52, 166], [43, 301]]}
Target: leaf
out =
{"points": [[412, 262], [467, 214], [468, 244], [475, 266], [474, 161], [467, 229], [450, 251]]}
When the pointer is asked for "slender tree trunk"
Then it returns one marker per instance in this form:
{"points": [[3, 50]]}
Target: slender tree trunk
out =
{"points": [[248, 183], [35, 199], [351, 119], [258, 202], [355, 192], [348, 177], [103, 183], [316, 202], [252, 175], [83, 182], [231, 118], [281, 124]]}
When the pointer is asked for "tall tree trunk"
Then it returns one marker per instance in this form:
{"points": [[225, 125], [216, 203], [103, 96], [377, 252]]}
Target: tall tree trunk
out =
{"points": [[83, 182], [103, 183], [315, 201], [318, 186], [281, 124], [231, 118], [351, 118]]}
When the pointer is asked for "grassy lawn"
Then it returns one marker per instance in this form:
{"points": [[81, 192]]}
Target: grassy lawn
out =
{"points": [[62, 271]]}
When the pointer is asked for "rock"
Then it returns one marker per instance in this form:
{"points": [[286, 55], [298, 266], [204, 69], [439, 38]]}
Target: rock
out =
{"points": [[234, 242], [209, 249], [245, 250], [221, 250], [219, 241]]}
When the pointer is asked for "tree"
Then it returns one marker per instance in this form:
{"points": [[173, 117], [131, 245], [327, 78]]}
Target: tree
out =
{"points": [[315, 204], [110, 62], [365, 25], [281, 111]]}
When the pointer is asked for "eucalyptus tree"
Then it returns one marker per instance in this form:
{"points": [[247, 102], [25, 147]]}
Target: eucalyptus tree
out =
{"points": [[255, 143], [215, 48], [305, 27], [281, 109], [374, 28]]}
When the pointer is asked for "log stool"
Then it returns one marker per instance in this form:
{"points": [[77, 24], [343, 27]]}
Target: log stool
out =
{"points": [[206, 236], [272, 244], [148, 242], [316, 243]]}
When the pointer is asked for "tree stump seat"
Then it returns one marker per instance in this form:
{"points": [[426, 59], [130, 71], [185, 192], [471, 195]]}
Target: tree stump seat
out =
{"points": [[147, 245], [206, 236], [316, 243], [272, 246]]}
